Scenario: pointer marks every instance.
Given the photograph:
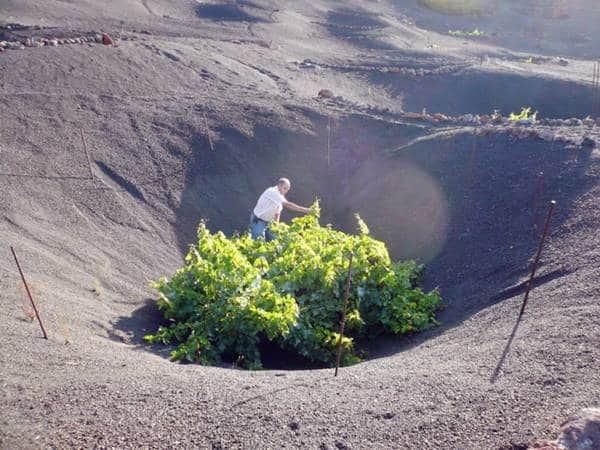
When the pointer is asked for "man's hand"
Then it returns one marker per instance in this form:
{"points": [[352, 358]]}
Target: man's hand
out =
{"points": [[294, 207]]}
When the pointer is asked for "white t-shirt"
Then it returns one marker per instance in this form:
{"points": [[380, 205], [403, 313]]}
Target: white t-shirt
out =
{"points": [[269, 204]]}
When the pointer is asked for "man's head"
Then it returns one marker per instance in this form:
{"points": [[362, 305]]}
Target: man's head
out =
{"points": [[284, 185]]}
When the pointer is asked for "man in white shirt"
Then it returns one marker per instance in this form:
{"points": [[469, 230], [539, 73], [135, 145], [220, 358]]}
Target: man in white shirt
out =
{"points": [[268, 209]]}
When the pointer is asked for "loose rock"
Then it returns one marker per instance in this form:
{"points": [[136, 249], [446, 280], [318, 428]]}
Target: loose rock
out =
{"points": [[325, 93], [546, 135], [588, 142], [581, 431], [107, 40]]}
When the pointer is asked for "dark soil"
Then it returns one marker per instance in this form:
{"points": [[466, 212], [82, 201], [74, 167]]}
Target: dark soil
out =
{"points": [[201, 108]]}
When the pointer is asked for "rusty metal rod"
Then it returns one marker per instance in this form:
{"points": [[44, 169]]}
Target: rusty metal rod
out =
{"points": [[87, 155], [594, 89], [29, 293], [208, 132], [343, 321], [472, 158], [539, 189], [596, 97], [537, 258], [329, 142], [597, 111]]}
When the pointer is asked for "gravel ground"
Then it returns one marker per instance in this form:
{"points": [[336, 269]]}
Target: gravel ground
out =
{"points": [[189, 117]]}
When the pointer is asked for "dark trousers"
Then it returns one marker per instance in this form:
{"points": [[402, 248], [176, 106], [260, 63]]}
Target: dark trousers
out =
{"points": [[260, 228]]}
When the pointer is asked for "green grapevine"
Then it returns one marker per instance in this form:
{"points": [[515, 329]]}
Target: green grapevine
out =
{"points": [[233, 293]]}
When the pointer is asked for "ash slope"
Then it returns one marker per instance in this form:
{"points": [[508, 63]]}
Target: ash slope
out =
{"points": [[89, 246]]}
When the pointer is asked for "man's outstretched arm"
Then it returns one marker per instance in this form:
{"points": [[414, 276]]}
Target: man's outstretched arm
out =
{"points": [[294, 207]]}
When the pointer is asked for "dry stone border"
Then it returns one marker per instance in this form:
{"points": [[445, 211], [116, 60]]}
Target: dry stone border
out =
{"points": [[33, 42], [571, 132]]}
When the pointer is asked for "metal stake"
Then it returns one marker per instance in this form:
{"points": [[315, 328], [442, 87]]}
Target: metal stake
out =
{"points": [[329, 141], [536, 197], [472, 157], [596, 97], [594, 90], [343, 321], [537, 257], [29, 293], [87, 155]]}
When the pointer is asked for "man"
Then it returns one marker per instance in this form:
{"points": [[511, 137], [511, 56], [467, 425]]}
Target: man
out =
{"points": [[268, 209]]}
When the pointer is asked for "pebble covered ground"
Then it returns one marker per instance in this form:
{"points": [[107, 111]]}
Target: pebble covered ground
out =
{"points": [[149, 81]]}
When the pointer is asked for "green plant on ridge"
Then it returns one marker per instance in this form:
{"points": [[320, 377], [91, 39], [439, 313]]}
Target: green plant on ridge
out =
{"points": [[461, 33], [524, 115]]}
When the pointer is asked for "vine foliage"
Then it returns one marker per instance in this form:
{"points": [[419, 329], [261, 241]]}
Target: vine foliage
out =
{"points": [[233, 293]]}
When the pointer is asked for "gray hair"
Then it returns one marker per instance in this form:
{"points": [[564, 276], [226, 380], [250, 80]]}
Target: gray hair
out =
{"points": [[284, 181]]}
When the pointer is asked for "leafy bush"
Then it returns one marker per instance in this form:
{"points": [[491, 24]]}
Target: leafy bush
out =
{"points": [[525, 116], [235, 292], [462, 33]]}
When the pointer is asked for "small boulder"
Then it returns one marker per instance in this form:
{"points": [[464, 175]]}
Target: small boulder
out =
{"points": [[28, 42], [52, 43], [467, 118], [544, 445], [325, 93], [1, 49], [413, 115], [546, 135], [98, 39], [588, 142], [581, 431], [107, 40]]}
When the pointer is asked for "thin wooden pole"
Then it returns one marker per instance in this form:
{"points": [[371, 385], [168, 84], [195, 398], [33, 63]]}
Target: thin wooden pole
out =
{"points": [[329, 142], [538, 194], [472, 157], [596, 107], [537, 258], [29, 293], [594, 87], [343, 321]]}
